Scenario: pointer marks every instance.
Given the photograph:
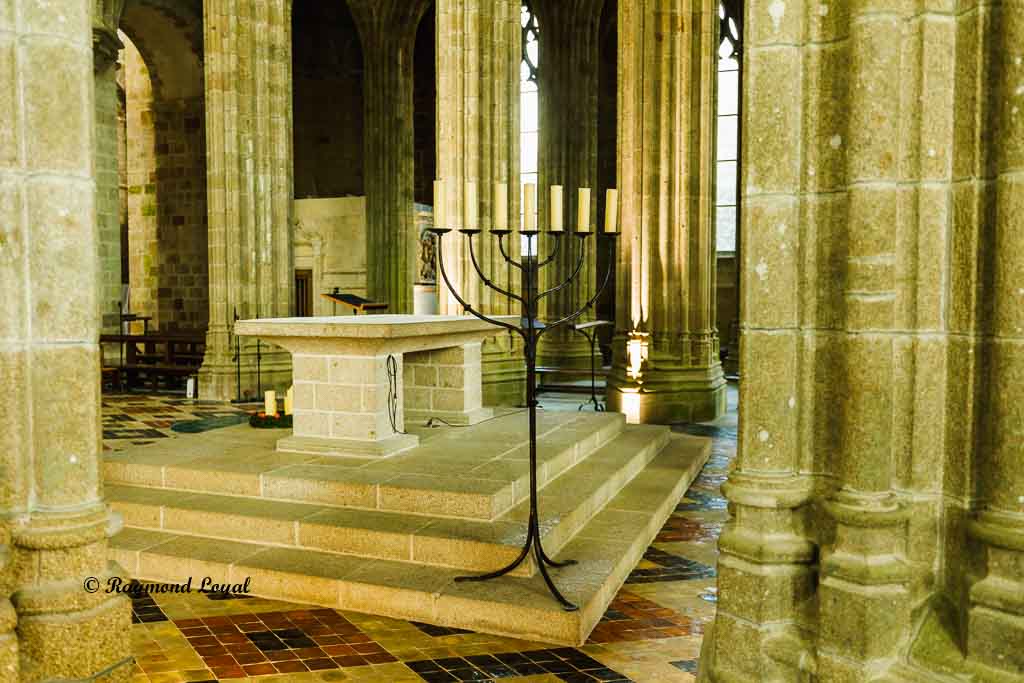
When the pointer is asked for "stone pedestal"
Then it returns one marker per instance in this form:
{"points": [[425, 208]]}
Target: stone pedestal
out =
{"points": [[353, 390]]}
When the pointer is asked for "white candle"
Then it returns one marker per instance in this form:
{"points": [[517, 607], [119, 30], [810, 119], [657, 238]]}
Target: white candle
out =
{"points": [[611, 211], [470, 215], [439, 217], [583, 210], [556, 208], [500, 206], [529, 204], [289, 398], [270, 403]]}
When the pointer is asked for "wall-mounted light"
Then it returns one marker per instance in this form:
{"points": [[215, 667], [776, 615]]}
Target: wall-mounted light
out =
{"points": [[637, 350]]}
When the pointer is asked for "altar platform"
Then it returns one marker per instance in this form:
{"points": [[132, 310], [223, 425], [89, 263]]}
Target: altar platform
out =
{"points": [[389, 536]]}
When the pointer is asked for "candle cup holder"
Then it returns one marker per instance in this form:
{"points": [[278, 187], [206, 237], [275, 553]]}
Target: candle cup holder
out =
{"points": [[531, 330]]}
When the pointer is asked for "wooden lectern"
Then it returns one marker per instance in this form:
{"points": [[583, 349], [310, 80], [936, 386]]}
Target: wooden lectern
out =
{"points": [[357, 303]]}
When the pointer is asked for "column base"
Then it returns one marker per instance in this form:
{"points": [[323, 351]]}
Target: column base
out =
{"points": [[219, 380], [995, 619], [669, 395], [351, 448]]}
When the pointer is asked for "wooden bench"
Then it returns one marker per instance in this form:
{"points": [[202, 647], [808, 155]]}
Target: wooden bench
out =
{"points": [[149, 358]]}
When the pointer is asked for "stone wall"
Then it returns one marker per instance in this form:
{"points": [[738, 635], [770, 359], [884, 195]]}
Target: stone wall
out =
{"points": [[166, 179], [330, 240]]}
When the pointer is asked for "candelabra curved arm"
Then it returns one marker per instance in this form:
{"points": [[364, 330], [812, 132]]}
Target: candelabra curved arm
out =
{"points": [[568, 281], [486, 281], [579, 312], [466, 306], [504, 254], [554, 252]]}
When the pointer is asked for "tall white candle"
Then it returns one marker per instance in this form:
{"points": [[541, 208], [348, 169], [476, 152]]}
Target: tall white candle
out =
{"points": [[270, 403], [556, 208], [583, 210], [470, 215], [529, 206], [500, 206], [439, 218], [289, 400], [611, 211]]}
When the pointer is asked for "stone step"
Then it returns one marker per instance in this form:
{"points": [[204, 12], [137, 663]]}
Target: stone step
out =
{"points": [[606, 549], [566, 504], [478, 472]]}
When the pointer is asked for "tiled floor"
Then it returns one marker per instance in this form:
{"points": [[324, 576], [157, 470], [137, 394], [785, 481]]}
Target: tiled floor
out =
{"points": [[651, 632], [138, 419]]}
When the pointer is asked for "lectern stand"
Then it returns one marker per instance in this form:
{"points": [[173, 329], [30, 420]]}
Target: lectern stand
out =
{"points": [[357, 303]]}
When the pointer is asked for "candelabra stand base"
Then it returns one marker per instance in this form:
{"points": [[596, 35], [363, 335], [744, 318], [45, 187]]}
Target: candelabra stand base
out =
{"points": [[533, 543]]}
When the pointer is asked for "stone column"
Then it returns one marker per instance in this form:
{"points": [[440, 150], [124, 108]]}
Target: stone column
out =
{"points": [[54, 521], [880, 350], [995, 633], [106, 18], [478, 55], [247, 72], [665, 284], [568, 83], [387, 29]]}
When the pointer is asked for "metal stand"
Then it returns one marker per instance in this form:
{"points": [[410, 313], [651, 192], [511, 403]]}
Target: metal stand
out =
{"points": [[589, 330], [238, 362], [531, 330]]}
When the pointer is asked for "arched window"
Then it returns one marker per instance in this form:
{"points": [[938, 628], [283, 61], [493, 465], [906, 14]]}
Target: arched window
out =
{"points": [[529, 120], [730, 13]]}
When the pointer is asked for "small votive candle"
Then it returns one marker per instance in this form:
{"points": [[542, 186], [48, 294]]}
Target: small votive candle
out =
{"points": [[469, 217], [288, 401], [556, 208], [439, 218], [583, 210], [611, 211], [529, 206], [500, 206], [270, 403]]}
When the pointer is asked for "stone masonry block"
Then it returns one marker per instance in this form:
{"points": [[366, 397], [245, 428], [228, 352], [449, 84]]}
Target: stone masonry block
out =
{"points": [[310, 368]]}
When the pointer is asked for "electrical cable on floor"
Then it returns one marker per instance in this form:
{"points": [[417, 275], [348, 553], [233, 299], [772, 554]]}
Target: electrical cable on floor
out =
{"points": [[432, 420]]}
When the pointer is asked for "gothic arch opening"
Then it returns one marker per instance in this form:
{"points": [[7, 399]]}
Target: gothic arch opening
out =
{"points": [[164, 168]]}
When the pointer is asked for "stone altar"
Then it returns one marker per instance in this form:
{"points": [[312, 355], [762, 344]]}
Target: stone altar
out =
{"points": [[342, 379]]}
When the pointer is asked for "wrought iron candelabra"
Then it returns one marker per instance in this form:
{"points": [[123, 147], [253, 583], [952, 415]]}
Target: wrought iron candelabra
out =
{"points": [[531, 330]]}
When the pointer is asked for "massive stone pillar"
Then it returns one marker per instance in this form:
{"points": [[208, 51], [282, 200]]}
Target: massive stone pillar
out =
{"points": [[387, 29], [478, 55], [881, 349], [54, 523], [665, 284], [995, 632], [568, 83], [108, 200], [247, 46]]}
